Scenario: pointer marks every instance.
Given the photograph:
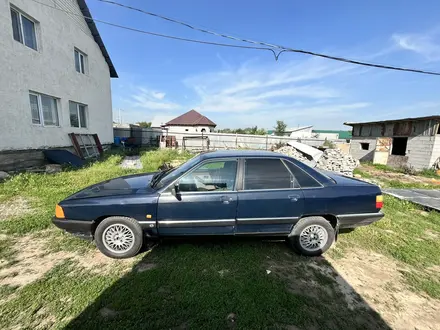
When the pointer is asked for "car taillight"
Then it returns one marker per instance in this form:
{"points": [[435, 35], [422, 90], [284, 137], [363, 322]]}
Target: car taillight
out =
{"points": [[379, 202], [59, 212]]}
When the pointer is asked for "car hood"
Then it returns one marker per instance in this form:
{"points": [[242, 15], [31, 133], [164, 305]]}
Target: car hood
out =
{"points": [[124, 185]]}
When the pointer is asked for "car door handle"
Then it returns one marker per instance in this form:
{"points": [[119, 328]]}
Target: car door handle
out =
{"points": [[294, 198], [226, 199]]}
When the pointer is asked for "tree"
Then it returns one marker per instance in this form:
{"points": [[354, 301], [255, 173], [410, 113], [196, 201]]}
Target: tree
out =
{"points": [[144, 124], [280, 129]]}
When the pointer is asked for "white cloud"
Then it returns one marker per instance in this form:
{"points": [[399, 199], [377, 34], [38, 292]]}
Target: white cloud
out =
{"points": [[151, 100], [425, 44], [254, 89]]}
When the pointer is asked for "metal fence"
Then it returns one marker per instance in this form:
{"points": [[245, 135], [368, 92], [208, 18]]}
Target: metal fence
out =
{"points": [[148, 137]]}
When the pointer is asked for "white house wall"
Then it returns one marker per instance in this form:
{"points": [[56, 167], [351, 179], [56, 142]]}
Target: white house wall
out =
{"points": [[51, 70], [189, 129]]}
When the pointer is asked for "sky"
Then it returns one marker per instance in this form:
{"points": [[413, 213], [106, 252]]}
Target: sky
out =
{"points": [[160, 79]]}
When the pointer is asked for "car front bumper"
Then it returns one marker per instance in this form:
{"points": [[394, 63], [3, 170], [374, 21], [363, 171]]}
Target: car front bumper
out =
{"points": [[357, 220], [79, 228]]}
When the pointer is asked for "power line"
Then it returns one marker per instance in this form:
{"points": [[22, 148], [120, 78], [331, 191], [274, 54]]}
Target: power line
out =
{"points": [[275, 54], [269, 48], [273, 46]]}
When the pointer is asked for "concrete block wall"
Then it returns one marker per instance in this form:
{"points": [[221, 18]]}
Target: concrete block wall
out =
{"points": [[358, 153], [419, 151], [435, 150]]}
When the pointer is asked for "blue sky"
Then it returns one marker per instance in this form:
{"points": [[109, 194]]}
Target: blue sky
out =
{"points": [[160, 79]]}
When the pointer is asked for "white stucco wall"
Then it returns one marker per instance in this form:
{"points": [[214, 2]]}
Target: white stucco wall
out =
{"points": [[305, 133], [189, 129], [51, 71]]}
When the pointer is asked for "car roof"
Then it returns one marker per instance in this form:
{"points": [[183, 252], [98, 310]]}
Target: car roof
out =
{"points": [[240, 153]]}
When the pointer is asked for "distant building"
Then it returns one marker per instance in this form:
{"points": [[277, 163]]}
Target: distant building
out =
{"points": [[411, 142], [304, 132], [331, 134], [192, 122]]}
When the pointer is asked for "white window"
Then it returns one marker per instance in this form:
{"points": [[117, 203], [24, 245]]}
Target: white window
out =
{"points": [[23, 29], [80, 61], [44, 109], [77, 114]]}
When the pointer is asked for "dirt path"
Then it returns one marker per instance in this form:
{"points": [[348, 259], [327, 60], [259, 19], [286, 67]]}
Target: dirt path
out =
{"points": [[379, 281]]}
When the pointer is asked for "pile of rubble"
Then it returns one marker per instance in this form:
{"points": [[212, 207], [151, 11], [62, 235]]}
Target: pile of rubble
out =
{"points": [[292, 152], [334, 160], [331, 160]]}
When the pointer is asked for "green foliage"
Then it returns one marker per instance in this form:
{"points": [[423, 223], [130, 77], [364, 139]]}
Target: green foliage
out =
{"points": [[329, 144], [144, 124], [280, 128]]}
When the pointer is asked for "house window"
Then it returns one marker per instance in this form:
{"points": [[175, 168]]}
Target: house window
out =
{"points": [[80, 61], [399, 146], [77, 114], [23, 29], [44, 110], [365, 146]]}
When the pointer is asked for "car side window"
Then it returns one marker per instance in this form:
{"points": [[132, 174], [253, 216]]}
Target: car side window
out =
{"points": [[266, 173], [212, 176], [304, 179]]}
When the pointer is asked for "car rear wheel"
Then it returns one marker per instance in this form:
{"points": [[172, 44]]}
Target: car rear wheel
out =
{"points": [[119, 237], [312, 236]]}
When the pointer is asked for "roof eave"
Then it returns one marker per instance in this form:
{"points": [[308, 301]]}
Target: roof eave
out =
{"points": [[95, 33]]}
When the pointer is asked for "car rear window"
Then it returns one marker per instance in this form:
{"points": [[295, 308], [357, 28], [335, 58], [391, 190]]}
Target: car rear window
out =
{"points": [[266, 174], [304, 179]]}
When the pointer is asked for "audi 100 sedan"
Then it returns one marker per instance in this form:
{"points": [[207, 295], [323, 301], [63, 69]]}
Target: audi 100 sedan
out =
{"points": [[221, 193]]}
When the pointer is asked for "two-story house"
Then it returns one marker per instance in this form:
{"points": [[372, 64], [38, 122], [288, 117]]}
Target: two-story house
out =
{"points": [[54, 80]]}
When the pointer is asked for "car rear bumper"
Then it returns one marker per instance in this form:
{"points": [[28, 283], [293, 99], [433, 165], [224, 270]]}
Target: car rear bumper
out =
{"points": [[357, 220], [80, 228]]}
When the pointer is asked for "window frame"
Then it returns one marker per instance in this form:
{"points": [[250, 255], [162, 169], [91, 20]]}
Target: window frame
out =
{"points": [[82, 65], [77, 105], [21, 30], [300, 187], [40, 109]]}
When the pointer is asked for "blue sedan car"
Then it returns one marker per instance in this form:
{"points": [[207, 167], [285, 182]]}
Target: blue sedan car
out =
{"points": [[221, 193]]}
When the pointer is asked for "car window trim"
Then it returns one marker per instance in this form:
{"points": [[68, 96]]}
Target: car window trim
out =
{"points": [[286, 160], [195, 167]]}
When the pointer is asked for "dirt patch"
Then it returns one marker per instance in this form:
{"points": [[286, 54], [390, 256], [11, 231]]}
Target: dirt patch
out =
{"points": [[431, 234], [379, 281], [14, 207], [32, 260], [401, 177]]}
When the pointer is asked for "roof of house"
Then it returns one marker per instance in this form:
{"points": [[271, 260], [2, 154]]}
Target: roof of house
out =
{"points": [[191, 118], [434, 117], [342, 134], [94, 30]]}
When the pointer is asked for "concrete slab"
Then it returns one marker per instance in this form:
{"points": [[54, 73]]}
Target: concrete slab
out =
{"points": [[132, 162], [424, 197]]}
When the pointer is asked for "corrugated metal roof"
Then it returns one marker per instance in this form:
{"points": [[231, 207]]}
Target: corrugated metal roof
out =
{"points": [[94, 30], [434, 117], [191, 118]]}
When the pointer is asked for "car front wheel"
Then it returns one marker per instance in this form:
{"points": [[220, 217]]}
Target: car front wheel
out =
{"points": [[312, 236], [119, 237]]}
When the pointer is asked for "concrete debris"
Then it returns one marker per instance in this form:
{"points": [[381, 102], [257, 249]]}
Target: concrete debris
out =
{"points": [[331, 160], [334, 160], [3, 176], [132, 162]]}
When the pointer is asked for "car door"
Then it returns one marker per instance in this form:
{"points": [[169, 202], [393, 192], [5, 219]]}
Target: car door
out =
{"points": [[270, 200], [206, 202]]}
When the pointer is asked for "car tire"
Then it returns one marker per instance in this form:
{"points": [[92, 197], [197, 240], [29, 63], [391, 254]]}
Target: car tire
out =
{"points": [[119, 237], [312, 236]]}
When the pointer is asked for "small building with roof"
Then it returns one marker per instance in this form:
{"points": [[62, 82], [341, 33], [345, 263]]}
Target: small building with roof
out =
{"points": [[412, 142], [191, 122]]}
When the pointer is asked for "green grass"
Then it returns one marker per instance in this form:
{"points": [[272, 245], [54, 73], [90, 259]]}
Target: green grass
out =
{"points": [[197, 283], [402, 235], [427, 172]]}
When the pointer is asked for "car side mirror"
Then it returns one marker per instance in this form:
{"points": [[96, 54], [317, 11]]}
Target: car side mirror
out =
{"points": [[176, 189]]}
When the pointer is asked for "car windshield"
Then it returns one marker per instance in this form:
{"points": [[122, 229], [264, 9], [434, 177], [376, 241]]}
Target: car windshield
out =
{"points": [[176, 172]]}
